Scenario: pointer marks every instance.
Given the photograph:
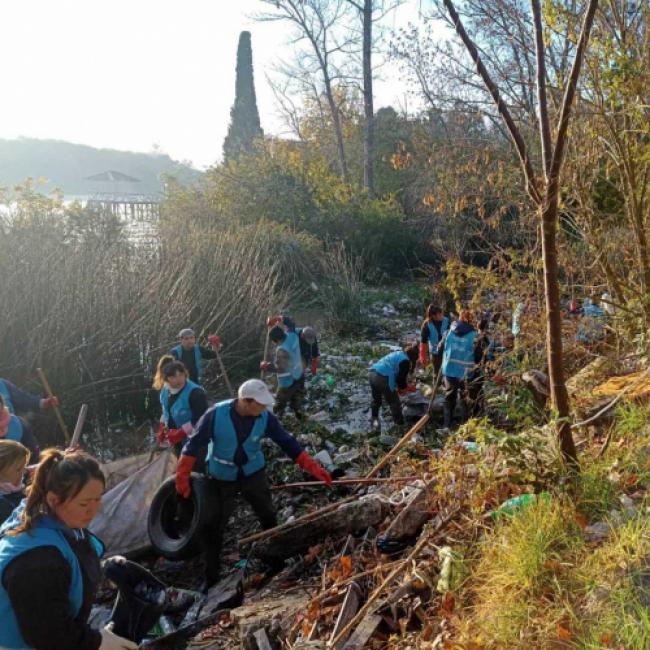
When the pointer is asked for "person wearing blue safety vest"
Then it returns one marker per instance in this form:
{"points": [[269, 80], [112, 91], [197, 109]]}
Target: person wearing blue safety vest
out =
{"points": [[14, 428], [183, 404], [13, 466], [288, 367], [388, 380], [434, 327], [20, 402], [591, 328], [308, 341], [50, 564], [460, 355], [191, 355], [234, 430]]}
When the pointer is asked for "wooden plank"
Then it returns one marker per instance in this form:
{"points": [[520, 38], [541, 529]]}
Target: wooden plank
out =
{"points": [[348, 610], [365, 630], [262, 639]]}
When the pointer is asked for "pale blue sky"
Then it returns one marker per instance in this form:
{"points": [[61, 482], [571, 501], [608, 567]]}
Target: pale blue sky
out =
{"points": [[127, 74]]}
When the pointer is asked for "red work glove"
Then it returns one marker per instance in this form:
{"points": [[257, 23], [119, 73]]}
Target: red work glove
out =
{"points": [[50, 402], [314, 365], [408, 389], [499, 379], [175, 436], [424, 354], [265, 365], [274, 320], [183, 471], [162, 433], [310, 465], [214, 340]]}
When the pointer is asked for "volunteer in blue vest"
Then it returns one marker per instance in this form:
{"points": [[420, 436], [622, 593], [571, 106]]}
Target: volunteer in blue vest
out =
{"points": [[20, 402], [13, 465], [592, 326], [183, 404], [308, 341], [388, 380], [190, 354], [288, 367], [434, 327], [460, 354], [14, 428], [49, 562], [234, 429]]}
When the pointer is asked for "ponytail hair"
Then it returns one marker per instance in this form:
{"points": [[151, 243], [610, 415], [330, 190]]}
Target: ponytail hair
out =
{"points": [[168, 366], [432, 310], [62, 473]]}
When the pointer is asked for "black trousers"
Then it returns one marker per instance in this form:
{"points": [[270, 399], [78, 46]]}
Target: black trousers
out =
{"points": [[454, 387], [476, 395], [436, 359], [223, 495], [381, 391], [291, 396]]}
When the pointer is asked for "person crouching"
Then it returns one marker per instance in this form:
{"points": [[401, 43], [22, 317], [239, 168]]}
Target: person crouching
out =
{"points": [[388, 379]]}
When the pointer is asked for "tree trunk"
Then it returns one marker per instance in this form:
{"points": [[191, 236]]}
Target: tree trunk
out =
{"points": [[369, 152], [549, 219], [334, 110]]}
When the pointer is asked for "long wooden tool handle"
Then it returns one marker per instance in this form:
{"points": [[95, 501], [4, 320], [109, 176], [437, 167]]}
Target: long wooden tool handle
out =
{"points": [[79, 426], [266, 350], [57, 412], [224, 373], [350, 481]]}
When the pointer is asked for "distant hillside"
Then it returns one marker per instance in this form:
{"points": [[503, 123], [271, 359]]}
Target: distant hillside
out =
{"points": [[66, 165]]}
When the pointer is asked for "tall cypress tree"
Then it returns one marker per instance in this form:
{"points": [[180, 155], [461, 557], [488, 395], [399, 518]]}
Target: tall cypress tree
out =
{"points": [[244, 117]]}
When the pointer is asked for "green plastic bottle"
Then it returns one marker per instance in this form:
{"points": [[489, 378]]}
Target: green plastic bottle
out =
{"points": [[330, 381], [515, 504]]}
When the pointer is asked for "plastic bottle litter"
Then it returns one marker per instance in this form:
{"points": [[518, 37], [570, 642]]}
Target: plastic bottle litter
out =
{"points": [[452, 571], [330, 381], [166, 625], [346, 457], [473, 447], [515, 504], [193, 611]]}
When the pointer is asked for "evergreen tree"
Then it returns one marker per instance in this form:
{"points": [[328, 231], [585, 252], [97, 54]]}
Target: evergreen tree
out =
{"points": [[244, 117]]}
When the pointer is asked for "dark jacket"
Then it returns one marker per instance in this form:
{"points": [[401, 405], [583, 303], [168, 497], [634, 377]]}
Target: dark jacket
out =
{"points": [[38, 583], [188, 358], [8, 503], [29, 441], [308, 351], [23, 402]]}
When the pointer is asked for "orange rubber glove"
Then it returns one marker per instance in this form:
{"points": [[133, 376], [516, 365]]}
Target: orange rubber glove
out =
{"points": [[314, 365], [310, 465], [424, 354], [183, 473]]}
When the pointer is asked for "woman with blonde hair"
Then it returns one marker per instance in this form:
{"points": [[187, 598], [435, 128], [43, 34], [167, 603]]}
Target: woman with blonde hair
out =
{"points": [[13, 464], [183, 403], [49, 562]]}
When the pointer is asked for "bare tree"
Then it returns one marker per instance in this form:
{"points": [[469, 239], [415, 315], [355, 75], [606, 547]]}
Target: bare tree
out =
{"points": [[545, 194], [319, 24]]}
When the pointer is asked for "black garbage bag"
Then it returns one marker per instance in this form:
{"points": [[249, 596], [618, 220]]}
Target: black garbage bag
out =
{"points": [[141, 599]]}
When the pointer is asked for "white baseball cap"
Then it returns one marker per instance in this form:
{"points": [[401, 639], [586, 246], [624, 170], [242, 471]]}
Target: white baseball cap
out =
{"points": [[257, 390]]}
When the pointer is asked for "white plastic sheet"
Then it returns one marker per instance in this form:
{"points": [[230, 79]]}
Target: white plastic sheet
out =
{"points": [[122, 520]]}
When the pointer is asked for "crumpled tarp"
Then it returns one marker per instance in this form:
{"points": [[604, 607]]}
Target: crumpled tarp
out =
{"points": [[122, 520]]}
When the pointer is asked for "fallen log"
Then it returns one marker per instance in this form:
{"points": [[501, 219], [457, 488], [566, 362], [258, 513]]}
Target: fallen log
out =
{"points": [[347, 519], [308, 517]]}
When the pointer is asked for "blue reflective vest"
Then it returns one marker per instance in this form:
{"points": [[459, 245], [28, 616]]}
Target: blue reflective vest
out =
{"points": [[458, 356], [224, 443], [15, 431], [180, 411], [4, 391], [592, 326], [47, 533], [294, 370], [434, 338], [197, 356], [389, 366]]}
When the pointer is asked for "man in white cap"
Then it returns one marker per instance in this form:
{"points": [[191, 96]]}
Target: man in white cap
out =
{"points": [[236, 463], [190, 354]]}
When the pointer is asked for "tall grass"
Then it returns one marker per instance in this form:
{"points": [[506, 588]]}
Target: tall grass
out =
{"points": [[96, 309]]}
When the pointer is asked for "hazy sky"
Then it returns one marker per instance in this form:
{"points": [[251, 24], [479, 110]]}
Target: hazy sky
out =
{"points": [[127, 74]]}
